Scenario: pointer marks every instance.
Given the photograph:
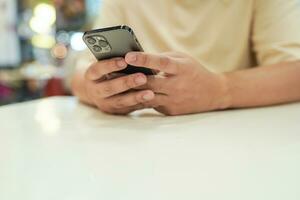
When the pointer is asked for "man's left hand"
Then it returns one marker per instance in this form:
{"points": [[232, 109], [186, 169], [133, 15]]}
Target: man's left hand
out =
{"points": [[183, 85]]}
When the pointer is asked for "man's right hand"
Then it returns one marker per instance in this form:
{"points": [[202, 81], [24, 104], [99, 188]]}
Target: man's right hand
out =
{"points": [[115, 96]]}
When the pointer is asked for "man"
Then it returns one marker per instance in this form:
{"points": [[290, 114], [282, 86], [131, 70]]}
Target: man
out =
{"points": [[235, 54]]}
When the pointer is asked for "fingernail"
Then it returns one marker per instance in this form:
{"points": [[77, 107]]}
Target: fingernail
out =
{"points": [[121, 63], [140, 80], [149, 96], [131, 57]]}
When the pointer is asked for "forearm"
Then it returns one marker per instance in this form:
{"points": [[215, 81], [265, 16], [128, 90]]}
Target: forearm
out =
{"points": [[265, 85], [78, 88]]}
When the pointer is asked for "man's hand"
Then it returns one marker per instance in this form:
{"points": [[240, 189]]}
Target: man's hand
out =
{"points": [[113, 96], [184, 87]]}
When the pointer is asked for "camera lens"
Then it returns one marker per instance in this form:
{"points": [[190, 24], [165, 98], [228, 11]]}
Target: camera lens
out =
{"points": [[91, 41], [103, 43], [97, 48]]}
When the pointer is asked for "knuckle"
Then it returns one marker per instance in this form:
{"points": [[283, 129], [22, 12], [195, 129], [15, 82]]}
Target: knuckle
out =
{"points": [[164, 61], [144, 59], [119, 103], [107, 90], [112, 64], [129, 81], [139, 99]]}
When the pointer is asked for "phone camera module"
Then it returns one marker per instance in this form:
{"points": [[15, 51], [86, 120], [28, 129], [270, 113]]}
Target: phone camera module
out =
{"points": [[103, 43], [91, 41], [97, 48]]}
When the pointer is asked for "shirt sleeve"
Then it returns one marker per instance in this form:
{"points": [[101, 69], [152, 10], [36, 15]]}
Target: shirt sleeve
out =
{"points": [[276, 31]]}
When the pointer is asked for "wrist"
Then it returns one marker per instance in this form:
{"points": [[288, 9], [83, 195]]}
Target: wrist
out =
{"points": [[224, 97]]}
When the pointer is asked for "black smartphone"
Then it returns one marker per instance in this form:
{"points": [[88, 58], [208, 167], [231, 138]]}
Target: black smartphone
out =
{"points": [[111, 42]]}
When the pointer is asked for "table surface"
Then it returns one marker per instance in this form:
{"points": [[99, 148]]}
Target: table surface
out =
{"points": [[58, 149]]}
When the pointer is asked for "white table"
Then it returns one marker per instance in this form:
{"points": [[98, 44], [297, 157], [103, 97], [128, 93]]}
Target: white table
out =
{"points": [[58, 149]]}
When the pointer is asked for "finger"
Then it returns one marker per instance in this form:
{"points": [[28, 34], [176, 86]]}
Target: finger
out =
{"points": [[175, 54], [114, 75], [125, 111], [156, 84], [158, 100], [159, 62], [130, 99], [99, 69], [119, 85]]}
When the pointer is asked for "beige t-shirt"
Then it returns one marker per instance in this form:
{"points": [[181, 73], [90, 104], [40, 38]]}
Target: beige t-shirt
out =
{"points": [[224, 35]]}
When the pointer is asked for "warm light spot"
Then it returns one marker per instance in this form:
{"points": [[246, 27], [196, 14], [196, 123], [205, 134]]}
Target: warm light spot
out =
{"points": [[45, 13], [59, 51], [44, 16], [43, 41]]}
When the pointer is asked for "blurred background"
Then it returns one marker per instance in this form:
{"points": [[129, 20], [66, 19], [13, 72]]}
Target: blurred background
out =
{"points": [[38, 41]]}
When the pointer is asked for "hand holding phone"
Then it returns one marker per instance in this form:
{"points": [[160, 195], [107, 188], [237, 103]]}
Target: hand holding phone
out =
{"points": [[110, 84], [117, 95]]}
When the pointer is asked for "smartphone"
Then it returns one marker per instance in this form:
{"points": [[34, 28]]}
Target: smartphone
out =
{"points": [[111, 42]]}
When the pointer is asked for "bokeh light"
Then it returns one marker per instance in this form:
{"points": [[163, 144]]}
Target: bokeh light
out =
{"points": [[46, 13], [63, 37], [44, 17], [59, 51], [43, 41], [77, 43]]}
